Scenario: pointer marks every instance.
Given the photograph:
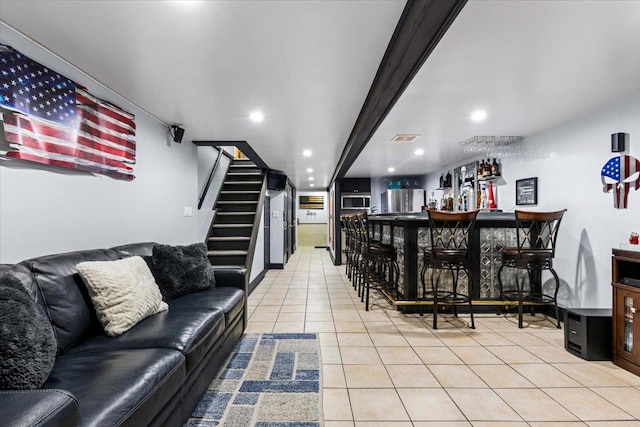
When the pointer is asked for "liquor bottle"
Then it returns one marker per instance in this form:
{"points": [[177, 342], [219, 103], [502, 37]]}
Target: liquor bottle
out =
{"points": [[494, 167], [487, 169], [441, 180], [481, 169], [447, 180]]}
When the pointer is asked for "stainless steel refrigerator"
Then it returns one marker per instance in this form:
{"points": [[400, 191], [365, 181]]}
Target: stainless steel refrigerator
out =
{"points": [[402, 200]]}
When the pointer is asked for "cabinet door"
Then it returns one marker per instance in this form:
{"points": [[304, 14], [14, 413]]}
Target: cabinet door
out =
{"points": [[627, 325], [363, 185], [348, 185]]}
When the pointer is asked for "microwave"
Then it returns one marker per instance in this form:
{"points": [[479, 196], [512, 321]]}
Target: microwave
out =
{"points": [[356, 201]]}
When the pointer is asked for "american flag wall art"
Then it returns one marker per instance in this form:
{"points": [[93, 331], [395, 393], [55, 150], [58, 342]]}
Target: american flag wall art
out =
{"points": [[49, 119]]}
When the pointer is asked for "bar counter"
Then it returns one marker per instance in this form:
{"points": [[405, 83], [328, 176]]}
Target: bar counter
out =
{"points": [[409, 234]]}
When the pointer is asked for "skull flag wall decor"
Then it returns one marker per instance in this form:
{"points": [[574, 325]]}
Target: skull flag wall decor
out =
{"points": [[620, 174]]}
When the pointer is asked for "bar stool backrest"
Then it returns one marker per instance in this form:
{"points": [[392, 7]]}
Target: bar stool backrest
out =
{"points": [[538, 230], [451, 231], [363, 231]]}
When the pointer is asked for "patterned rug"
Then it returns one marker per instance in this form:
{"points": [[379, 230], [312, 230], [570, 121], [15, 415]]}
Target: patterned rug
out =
{"points": [[269, 380]]}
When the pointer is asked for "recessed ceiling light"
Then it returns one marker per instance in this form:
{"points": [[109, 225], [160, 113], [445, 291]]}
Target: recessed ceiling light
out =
{"points": [[419, 152], [256, 116], [307, 153], [309, 170], [312, 185], [478, 116], [405, 137], [391, 170], [310, 178]]}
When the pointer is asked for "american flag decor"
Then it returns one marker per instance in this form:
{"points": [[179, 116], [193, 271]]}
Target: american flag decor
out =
{"points": [[620, 174], [50, 119]]}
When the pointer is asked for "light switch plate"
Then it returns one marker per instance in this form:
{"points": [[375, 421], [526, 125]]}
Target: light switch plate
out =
{"points": [[276, 214], [188, 211]]}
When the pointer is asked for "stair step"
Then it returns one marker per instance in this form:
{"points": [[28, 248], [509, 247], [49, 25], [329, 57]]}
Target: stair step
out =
{"points": [[239, 192], [224, 266], [227, 253], [235, 202], [235, 213], [232, 225], [256, 172], [242, 182], [229, 239]]}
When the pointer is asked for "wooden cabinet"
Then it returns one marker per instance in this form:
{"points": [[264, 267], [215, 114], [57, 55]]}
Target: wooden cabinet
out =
{"points": [[355, 185], [626, 309]]}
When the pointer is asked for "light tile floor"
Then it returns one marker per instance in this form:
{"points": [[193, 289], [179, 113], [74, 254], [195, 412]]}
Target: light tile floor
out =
{"points": [[385, 368]]}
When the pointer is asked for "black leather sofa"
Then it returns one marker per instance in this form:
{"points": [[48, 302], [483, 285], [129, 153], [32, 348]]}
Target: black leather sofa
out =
{"points": [[152, 375]]}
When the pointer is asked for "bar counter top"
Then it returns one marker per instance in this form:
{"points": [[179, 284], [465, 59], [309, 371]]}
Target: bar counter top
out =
{"points": [[423, 216]]}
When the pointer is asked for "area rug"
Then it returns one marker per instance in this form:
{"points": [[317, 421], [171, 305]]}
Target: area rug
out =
{"points": [[269, 380]]}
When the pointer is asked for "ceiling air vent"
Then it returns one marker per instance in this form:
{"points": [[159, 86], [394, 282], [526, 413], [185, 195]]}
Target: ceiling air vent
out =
{"points": [[405, 137]]}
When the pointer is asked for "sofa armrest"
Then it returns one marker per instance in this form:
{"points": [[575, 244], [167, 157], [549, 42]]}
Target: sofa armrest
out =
{"points": [[42, 408], [234, 277]]}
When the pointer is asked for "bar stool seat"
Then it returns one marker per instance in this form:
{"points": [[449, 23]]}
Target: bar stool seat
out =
{"points": [[536, 236], [449, 235]]}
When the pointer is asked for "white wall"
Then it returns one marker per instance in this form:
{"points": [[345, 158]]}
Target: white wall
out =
{"points": [[206, 159], [276, 248], [312, 216], [49, 210], [567, 160]]}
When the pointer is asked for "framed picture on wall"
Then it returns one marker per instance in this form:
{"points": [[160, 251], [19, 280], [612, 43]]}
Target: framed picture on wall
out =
{"points": [[527, 191], [311, 202]]}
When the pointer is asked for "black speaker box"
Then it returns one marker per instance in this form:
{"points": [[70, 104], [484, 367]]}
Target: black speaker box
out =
{"points": [[178, 133], [619, 142]]}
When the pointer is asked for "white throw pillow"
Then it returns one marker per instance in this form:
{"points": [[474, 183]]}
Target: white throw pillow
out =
{"points": [[123, 292]]}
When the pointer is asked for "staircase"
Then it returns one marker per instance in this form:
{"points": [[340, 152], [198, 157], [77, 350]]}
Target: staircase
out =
{"points": [[232, 229]]}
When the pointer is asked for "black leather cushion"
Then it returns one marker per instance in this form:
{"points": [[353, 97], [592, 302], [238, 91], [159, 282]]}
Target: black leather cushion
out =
{"points": [[190, 329], [27, 344], [135, 249], [66, 299], [229, 300], [181, 270], [42, 408], [235, 277], [22, 273], [125, 387]]}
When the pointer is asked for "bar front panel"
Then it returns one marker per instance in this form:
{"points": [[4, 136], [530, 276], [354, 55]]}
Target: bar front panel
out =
{"points": [[492, 233]]}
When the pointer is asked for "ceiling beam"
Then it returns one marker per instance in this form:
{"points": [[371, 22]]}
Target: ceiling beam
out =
{"points": [[419, 30], [241, 145]]}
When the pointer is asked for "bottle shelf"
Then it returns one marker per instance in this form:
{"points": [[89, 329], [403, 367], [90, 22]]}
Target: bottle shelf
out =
{"points": [[497, 180]]}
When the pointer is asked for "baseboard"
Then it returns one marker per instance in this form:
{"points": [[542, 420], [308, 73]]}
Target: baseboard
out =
{"points": [[255, 282], [276, 266]]}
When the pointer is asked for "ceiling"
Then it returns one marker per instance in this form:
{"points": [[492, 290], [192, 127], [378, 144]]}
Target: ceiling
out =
{"points": [[308, 65], [530, 65]]}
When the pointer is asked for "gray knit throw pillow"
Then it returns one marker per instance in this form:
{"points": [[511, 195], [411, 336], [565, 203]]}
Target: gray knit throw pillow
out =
{"points": [[181, 270], [27, 343]]}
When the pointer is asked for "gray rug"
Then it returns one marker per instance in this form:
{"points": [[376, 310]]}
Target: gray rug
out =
{"points": [[270, 380]]}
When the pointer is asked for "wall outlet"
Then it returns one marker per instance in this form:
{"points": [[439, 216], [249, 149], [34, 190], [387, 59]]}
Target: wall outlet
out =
{"points": [[275, 214], [188, 211]]}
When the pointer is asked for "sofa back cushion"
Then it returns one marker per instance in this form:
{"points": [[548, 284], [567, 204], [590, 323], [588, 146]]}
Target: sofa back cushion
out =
{"points": [[22, 273], [143, 249], [65, 296]]}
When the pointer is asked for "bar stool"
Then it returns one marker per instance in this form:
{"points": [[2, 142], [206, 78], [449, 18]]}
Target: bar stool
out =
{"points": [[347, 244], [379, 267], [536, 235], [355, 253], [449, 234]]}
